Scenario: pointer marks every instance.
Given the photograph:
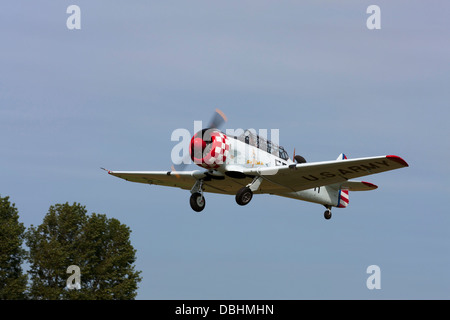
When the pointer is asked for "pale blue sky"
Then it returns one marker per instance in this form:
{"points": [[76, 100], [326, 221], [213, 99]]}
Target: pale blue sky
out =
{"points": [[111, 94]]}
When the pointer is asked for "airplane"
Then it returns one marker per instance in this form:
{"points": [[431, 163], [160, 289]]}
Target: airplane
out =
{"points": [[248, 164]]}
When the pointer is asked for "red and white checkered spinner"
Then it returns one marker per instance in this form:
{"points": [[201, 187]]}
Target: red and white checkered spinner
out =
{"points": [[209, 148]]}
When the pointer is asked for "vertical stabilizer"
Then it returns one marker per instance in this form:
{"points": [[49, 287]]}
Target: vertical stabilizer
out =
{"points": [[342, 157]]}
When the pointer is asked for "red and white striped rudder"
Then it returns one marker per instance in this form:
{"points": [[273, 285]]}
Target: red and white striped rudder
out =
{"points": [[343, 198]]}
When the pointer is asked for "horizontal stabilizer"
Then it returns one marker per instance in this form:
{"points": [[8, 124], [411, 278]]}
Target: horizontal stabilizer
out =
{"points": [[358, 186]]}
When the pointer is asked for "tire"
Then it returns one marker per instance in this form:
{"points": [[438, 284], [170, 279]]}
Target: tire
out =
{"points": [[327, 214], [244, 196], [299, 159], [197, 202]]}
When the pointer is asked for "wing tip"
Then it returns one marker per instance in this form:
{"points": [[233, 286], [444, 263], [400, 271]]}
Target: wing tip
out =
{"points": [[109, 171], [398, 160]]}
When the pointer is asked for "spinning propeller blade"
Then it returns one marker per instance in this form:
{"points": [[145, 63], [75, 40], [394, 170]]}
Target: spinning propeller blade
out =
{"points": [[218, 119]]}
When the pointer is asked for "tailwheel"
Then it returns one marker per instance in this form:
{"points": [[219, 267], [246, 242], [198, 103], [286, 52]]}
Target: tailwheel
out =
{"points": [[243, 196], [197, 201], [327, 214]]}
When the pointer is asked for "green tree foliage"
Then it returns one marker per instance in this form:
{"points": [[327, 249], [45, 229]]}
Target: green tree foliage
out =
{"points": [[12, 280], [99, 246]]}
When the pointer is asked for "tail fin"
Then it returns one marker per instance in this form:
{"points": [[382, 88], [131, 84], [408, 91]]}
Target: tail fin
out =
{"points": [[342, 157], [343, 198]]}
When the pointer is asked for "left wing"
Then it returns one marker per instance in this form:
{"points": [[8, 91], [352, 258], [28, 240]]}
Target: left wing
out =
{"points": [[316, 174], [184, 180]]}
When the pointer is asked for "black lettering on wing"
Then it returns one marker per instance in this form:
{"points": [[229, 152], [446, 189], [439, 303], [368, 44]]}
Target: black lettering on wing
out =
{"points": [[384, 162], [327, 174], [356, 169], [369, 166], [310, 178], [344, 172]]}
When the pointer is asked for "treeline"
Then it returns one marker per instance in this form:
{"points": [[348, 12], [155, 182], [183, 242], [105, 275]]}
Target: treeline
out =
{"points": [[98, 247]]}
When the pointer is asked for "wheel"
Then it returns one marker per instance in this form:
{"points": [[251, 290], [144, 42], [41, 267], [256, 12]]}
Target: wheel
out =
{"points": [[299, 159], [197, 202], [243, 196], [327, 214]]}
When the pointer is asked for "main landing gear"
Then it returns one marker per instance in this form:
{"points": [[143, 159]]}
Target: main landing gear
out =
{"points": [[197, 200], [243, 196], [327, 213]]}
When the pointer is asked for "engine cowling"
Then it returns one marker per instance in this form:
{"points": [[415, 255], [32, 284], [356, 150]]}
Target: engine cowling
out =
{"points": [[209, 148]]}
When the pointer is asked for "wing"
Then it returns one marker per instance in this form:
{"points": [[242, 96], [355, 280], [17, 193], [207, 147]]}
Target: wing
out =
{"points": [[310, 175], [277, 180], [184, 180]]}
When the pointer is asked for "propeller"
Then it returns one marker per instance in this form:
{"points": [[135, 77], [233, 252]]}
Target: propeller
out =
{"points": [[298, 158], [217, 121]]}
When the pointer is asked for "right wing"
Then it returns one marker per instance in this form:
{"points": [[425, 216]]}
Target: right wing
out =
{"points": [[316, 174]]}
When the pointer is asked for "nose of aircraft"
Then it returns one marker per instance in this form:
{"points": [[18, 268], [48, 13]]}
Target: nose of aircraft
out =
{"points": [[198, 145]]}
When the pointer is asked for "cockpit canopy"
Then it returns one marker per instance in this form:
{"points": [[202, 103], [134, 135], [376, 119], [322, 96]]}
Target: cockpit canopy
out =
{"points": [[262, 143]]}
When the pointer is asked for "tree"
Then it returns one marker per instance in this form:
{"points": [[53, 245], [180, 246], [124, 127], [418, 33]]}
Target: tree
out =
{"points": [[99, 246], [12, 279]]}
